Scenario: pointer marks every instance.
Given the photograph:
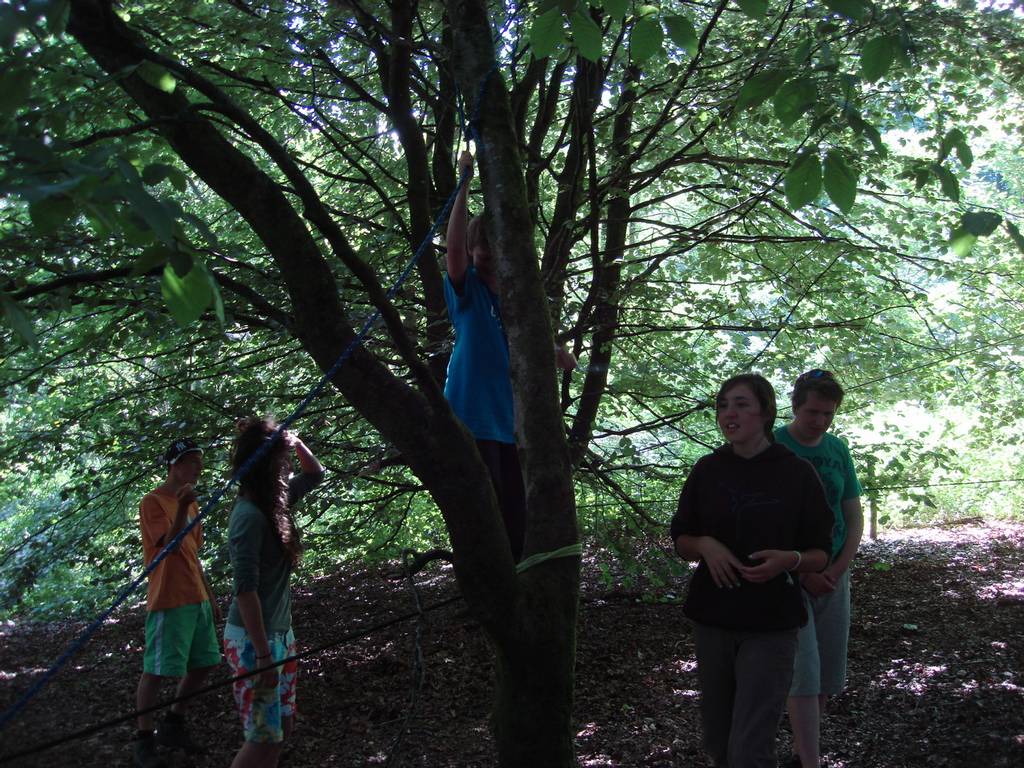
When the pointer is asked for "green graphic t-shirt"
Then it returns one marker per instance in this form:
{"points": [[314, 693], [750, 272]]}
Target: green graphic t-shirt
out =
{"points": [[832, 459]]}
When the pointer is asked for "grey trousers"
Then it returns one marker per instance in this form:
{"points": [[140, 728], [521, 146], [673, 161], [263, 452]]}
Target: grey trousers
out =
{"points": [[744, 680]]}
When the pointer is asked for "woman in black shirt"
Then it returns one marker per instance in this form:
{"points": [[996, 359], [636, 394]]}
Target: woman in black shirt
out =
{"points": [[752, 513]]}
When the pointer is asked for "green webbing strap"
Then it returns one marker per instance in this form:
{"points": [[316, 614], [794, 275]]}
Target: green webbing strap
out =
{"points": [[570, 551]]}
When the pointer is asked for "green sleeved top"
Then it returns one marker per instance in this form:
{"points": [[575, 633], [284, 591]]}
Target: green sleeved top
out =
{"points": [[258, 560]]}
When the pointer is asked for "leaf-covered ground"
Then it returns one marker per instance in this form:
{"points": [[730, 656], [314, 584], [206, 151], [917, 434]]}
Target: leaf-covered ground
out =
{"points": [[936, 672]]}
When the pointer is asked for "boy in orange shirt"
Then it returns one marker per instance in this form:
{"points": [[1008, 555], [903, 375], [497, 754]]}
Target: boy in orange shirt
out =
{"points": [[181, 639]]}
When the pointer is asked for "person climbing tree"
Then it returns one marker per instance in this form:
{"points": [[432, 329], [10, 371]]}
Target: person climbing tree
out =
{"points": [[479, 385]]}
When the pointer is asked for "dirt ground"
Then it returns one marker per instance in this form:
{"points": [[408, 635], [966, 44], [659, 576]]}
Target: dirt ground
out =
{"points": [[935, 672]]}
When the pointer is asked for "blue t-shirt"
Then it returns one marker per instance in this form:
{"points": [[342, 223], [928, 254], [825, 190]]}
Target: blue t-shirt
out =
{"points": [[832, 459], [479, 385]]}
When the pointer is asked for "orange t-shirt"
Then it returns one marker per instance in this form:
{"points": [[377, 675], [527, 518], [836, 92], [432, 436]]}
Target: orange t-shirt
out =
{"points": [[178, 580]]}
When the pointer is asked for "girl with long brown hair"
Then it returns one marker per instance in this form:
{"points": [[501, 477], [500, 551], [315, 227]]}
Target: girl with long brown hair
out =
{"points": [[265, 547]]}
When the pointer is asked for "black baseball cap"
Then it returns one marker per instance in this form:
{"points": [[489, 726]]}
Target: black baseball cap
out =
{"points": [[179, 448]]}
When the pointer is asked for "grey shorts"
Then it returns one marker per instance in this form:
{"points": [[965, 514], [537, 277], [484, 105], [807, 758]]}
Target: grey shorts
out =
{"points": [[820, 665]]}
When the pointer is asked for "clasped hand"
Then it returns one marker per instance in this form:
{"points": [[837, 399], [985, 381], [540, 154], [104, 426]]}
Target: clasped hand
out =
{"points": [[727, 570], [773, 562], [818, 584]]}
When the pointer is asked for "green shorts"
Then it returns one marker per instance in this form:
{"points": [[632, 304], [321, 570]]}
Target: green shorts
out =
{"points": [[180, 639]]}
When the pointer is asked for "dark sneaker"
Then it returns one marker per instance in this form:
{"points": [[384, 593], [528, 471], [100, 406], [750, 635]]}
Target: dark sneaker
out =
{"points": [[144, 754], [173, 735]]}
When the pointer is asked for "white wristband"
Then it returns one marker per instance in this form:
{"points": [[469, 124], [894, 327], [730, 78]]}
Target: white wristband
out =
{"points": [[799, 558]]}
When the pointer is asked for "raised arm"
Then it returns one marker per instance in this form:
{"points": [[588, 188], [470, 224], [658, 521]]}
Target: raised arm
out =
{"points": [[186, 498], [310, 476], [564, 359], [458, 255], [307, 461]]}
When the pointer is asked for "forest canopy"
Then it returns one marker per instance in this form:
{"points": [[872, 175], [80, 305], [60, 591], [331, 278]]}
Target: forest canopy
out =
{"points": [[712, 187]]}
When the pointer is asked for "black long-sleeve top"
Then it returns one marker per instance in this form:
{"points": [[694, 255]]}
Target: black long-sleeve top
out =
{"points": [[773, 500]]}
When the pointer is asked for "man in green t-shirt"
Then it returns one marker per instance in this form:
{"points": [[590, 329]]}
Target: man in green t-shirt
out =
{"points": [[820, 666]]}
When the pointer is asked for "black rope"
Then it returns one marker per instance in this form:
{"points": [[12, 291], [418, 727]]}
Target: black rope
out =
{"points": [[936, 485], [410, 560], [93, 729]]}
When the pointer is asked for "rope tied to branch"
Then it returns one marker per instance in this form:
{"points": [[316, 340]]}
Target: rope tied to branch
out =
{"points": [[571, 550]]}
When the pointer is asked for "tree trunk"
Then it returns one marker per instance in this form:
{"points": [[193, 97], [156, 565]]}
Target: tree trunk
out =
{"points": [[535, 676], [530, 618], [535, 640]]}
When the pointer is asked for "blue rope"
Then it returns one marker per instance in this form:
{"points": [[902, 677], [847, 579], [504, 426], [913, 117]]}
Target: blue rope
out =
{"points": [[10, 713]]}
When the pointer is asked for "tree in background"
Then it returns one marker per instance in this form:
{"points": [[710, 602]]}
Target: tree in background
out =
{"points": [[203, 200]]}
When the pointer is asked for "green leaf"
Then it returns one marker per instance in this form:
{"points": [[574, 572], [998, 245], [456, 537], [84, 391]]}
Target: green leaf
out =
{"points": [[57, 12], [803, 52], [646, 39], [955, 139], [157, 76], [151, 258], [17, 321], [950, 140], [760, 88], [547, 34], [51, 213], [840, 181], [682, 32], [128, 170], [181, 260], [802, 181], [218, 302], [204, 230], [961, 241], [877, 56], [616, 9], [186, 297], [876, 139], [586, 34], [851, 9], [755, 9], [1015, 235], [178, 179], [981, 223], [152, 211], [795, 97], [15, 88], [948, 182], [964, 154], [821, 119], [101, 217], [132, 227], [154, 173]]}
